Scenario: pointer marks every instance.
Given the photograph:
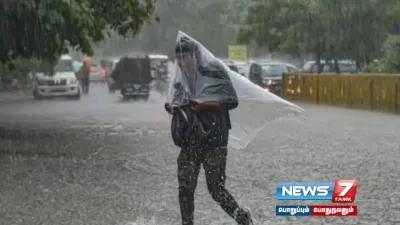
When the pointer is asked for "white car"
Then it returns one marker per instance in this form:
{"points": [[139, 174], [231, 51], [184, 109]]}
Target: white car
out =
{"points": [[62, 84], [160, 65], [95, 74], [242, 66]]}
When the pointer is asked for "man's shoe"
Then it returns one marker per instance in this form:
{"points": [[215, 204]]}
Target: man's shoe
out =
{"points": [[244, 217]]}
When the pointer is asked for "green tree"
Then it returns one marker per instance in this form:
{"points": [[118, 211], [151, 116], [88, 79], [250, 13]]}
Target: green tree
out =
{"points": [[205, 20], [328, 29], [44, 29]]}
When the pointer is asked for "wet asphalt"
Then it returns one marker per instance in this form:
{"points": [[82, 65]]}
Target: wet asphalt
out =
{"points": [[103, 161]]}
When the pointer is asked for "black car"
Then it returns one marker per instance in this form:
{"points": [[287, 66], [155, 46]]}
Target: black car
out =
{"points": [[269, 75], [132, 76]]}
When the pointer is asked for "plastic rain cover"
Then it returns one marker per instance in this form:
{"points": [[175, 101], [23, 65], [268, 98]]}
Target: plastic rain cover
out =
{"points": [[201, 76]]}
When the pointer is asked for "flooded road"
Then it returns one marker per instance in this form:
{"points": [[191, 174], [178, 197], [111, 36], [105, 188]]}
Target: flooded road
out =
{"points": [[103, 161]]}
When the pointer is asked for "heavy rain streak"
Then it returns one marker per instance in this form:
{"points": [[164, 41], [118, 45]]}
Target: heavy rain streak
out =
{"points": [[143, 112]]}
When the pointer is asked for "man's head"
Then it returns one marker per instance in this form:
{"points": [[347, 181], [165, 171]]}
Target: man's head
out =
{"points": [[86, 64], [187, 53]]}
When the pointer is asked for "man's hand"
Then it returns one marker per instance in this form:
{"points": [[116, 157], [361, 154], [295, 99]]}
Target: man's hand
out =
{"points": [[198, 105], [169, 108]]}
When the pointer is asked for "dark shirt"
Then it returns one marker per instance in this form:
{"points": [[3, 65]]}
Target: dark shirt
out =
{"points": [[84, 72], [205, 128]]}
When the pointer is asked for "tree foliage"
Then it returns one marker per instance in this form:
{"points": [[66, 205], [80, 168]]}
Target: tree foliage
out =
{"points": [[390, 62], [210, 21], [329, 29], [45, 29]]}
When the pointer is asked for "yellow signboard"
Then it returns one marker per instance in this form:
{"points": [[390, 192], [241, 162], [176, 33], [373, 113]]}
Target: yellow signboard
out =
{"points": [[238, 52]]}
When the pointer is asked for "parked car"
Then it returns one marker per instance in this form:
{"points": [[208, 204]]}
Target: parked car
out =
{"points": [[345, 67], [97, 74], [159, 66], [62, 83], [160, 72], [269, 75], [242, 66]]}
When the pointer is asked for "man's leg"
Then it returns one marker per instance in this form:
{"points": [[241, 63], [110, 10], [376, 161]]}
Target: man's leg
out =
{"points": [[188, 172], [214, 164], [84, 85], [87, 85]]}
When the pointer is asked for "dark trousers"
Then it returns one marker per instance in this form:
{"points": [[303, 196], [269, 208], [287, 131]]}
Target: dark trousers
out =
{"points": [[85, 85], [214, 164]]}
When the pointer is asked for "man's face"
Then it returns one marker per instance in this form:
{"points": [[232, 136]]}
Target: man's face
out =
{"points": [[185, 60]]}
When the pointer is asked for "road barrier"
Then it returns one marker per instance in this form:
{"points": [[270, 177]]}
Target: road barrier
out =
{"points": [[359, 91]]}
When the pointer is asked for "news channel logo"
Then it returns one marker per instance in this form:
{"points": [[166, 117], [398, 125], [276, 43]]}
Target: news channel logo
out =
{"points": [[316, 210], [340, 191]]}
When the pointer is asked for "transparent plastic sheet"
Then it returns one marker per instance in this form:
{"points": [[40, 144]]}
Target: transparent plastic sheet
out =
{"points": [[206, 78]]}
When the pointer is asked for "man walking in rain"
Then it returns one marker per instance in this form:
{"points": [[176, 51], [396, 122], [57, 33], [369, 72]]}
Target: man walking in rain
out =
{"points": [[84, 74], [201, 129]]}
